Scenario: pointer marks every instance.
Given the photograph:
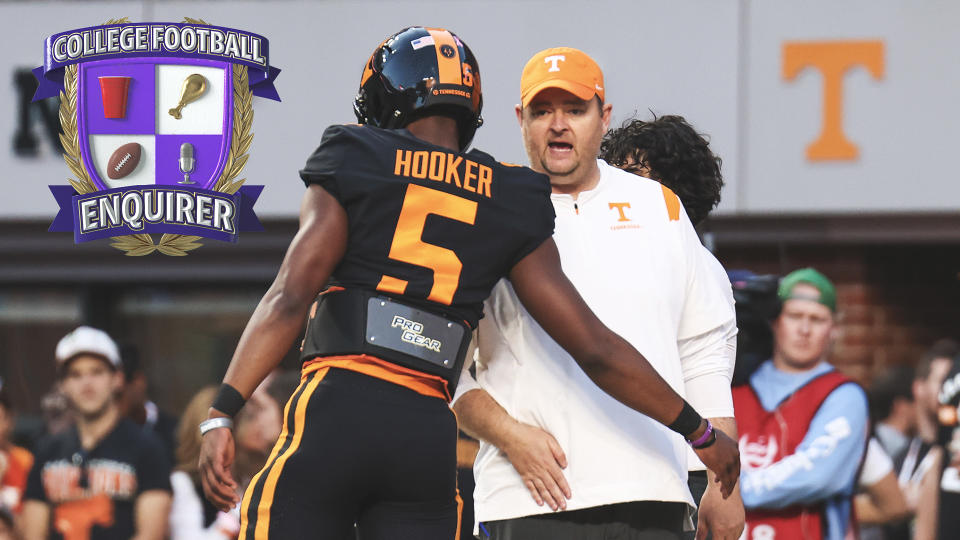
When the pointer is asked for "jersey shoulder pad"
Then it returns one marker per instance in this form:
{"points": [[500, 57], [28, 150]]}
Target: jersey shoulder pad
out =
{"points": [[336, 145], [527, 179], [344, 134]]}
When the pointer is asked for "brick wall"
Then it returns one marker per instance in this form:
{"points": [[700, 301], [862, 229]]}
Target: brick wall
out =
{"points": [[894, 301]]}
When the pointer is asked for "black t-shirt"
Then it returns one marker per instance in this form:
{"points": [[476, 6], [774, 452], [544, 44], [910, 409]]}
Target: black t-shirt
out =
{"points": [[165, 428], [96, 490], [949, 440], [433, 226]]}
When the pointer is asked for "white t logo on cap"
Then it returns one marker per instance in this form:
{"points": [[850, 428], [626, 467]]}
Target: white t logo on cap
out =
{"points": [[552, 60]]}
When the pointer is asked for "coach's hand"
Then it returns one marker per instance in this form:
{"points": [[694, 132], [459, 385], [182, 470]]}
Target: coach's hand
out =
{"points": [[537, 456], [723, 458], [216, 458], [722, 518]]}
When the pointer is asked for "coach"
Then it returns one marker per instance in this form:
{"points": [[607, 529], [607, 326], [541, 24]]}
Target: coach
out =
{"points": [[630, 249]]}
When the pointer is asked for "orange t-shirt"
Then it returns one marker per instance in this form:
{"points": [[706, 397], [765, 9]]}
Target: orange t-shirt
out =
{"points": [[14, 481]]}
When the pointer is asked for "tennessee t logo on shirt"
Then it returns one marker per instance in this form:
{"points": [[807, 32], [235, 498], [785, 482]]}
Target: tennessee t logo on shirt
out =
{"points": [[620, 206]]}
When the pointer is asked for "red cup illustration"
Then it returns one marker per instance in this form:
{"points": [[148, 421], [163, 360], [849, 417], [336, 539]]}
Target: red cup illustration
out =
{"points": [[113, 90]]}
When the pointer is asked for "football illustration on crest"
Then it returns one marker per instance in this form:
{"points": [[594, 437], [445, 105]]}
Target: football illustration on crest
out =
{"points": [[123, 161]]}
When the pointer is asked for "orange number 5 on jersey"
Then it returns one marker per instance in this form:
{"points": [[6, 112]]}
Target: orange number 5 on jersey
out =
{"points": [[407, 246]]}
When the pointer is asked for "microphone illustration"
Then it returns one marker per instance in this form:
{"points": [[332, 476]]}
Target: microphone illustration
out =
{"points": [[187, 163]]}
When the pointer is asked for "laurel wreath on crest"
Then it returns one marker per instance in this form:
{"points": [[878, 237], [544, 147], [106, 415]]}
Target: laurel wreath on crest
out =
{"points": [[176, 245]]}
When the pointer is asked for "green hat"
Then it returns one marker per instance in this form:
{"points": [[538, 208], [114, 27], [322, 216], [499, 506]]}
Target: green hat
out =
{"points": [[828, 294]]}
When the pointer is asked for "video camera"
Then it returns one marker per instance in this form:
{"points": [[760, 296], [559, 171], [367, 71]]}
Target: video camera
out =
{"points": [[757, 305]]}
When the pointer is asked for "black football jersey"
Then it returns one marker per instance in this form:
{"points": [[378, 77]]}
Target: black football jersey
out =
{"points": [[435, 227]]}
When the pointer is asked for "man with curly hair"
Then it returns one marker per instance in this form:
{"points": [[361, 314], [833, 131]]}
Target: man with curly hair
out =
{"points": [[669, 150]]}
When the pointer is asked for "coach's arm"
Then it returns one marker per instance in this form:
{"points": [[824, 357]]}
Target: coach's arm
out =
{"points": [[533, 452], [707, 361]]}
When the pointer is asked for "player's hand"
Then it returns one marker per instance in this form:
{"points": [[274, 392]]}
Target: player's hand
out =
{"points": [[216, 458], [723, 458], [537, 456], [721, 517]]}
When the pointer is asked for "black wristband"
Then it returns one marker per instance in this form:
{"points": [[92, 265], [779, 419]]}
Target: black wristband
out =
{"points": [[687, 422], [228, 400]]}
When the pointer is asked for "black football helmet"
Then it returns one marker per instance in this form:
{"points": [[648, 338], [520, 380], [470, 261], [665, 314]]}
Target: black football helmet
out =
{"points": [[419, 72]]}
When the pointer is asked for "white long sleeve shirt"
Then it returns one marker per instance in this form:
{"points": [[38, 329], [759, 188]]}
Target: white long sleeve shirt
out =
{"points": [[630, 250], [701, 387]]}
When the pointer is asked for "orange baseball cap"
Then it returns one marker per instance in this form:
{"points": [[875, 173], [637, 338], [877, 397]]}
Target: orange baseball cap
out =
{"points": [[561, 67]]}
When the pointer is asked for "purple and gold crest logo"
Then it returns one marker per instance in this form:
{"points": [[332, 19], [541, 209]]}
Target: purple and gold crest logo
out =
{"points": [[156, 122]]}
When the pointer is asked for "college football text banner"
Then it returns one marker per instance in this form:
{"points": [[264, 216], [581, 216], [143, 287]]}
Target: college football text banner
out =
{"points": [[180, 40]]}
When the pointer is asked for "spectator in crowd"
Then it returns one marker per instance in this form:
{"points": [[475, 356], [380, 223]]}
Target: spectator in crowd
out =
{"points": [[15, 462], [946, 496], [894, 409], [938, 497], [56, 412], [900, 401], [135, 405], [932, 370], [922, 465], [669, 150], [104, 477], [803, 426], [880, 499], [257, 427]]}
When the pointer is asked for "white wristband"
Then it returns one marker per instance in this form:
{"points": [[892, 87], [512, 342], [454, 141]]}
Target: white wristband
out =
{"points": [[214, 423]]}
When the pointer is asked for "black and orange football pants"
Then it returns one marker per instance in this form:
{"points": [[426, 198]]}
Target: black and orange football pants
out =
{"points": [[358, 456]]}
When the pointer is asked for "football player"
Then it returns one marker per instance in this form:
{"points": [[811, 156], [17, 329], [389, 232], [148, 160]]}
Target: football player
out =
{"points": [[403, 233]]}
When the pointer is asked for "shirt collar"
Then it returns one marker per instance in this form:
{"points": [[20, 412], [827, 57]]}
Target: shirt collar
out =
{"points": [[584, 197]]}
